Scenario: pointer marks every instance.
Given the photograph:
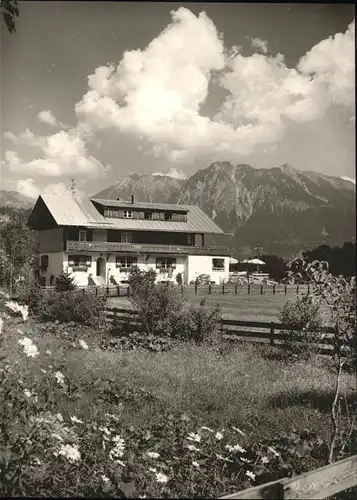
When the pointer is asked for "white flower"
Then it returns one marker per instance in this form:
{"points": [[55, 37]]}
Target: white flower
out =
{"points": [[59, 377], [273, 451], [192, 447], [76, 420], [265, 460], [161, 478], [48, 352], [119, 448], [27, 393], [195, 464], [70, 452], [104, 478], [152, 469], [207, 428], [153, 454], [43, 371], [235, 448], [194, 437], [250, 474], [29, 347], [83, 344], [219, 436], [238, 430], [15, 307], [105, 430]]}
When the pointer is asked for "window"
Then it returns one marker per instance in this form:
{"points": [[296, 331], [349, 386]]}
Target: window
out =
{"points": [[125, 262], [126, 237], [218, 264], [165, 263], [128, 214], [80, 261], [190, 241], [44, 262], [82, 235]]}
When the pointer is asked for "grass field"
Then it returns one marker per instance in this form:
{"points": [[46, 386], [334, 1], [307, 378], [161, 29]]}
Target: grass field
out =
{"points": [[245, 307], [148, 394]]}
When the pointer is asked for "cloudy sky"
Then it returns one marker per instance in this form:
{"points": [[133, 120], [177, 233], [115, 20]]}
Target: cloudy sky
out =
{"points": [[96, 90]]}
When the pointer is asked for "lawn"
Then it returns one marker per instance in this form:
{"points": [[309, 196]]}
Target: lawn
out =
{"points": [[245, 307], [163, 395]]}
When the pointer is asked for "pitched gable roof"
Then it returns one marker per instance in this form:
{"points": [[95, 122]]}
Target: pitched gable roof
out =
{"points": [[68, 211]]}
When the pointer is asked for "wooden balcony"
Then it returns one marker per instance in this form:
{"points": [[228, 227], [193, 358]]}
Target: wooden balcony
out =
{"points": [[138, 248]]}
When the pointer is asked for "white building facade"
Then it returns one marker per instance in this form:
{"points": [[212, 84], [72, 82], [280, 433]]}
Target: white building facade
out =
{"points": [[98, 241]]}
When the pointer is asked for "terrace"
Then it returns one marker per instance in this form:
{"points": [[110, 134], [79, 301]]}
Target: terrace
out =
{"points": [[114, 246]]}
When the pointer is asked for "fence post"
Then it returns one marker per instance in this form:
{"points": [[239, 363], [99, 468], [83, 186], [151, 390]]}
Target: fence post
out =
{"points": [[222, 288], [181, 289], [84, 291], [107, 291], [261, 289], [128, 291], [248, 289], [196, 289], [308, 288], [236, 289], [271, 333], [297, 290], [285, 287], [118, 290], [273, 289], [209, 289], [96, 290]]}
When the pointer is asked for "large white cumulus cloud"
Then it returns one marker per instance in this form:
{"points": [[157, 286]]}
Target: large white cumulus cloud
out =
{"points": [[156, 95]]}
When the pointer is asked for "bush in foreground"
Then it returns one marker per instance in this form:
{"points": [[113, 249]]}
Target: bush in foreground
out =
{"points": [[69, 306], [303, 323]]}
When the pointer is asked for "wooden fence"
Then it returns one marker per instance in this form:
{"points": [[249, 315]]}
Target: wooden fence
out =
{"points": [[232, 289], [319, 483], [273, 333]]}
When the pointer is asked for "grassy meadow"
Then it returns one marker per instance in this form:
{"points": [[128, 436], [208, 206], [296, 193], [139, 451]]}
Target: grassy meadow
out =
{"points": [[192, 421]]}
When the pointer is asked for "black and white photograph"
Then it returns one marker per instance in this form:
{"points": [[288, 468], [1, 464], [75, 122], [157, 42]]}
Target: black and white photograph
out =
{"points": [[178, 250]]}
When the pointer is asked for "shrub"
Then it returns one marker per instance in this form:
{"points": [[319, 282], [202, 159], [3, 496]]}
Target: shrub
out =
{"points": [[31, 295], [70, 306], [179, 278], [157, 304], [161, 310], [303, 321], [64, 282], [197, 324]]}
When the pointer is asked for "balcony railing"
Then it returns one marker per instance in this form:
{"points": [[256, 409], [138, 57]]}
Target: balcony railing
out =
{"points": [[138, 248]]}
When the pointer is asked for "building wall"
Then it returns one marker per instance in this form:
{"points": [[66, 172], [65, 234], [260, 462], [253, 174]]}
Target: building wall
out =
{"points": [[50, 240], [144, 264], [55, 265], [189, 266], [202, 264]]}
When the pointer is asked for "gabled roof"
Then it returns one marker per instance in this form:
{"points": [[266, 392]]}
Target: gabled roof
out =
{"points": [[141, 204], [69, 211]]}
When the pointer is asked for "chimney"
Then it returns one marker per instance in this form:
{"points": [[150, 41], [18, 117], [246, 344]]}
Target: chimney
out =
{"points": [[132, 199]]}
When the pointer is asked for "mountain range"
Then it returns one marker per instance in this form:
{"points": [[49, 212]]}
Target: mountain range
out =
{"points": [[280, 210]]}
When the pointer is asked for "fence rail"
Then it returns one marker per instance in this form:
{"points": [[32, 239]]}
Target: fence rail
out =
{"points": [[203, 290], [273, 333], [319, 483]]}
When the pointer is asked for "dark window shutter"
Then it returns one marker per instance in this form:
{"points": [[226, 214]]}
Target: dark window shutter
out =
{"points": [[121, 213], [89, 234]]}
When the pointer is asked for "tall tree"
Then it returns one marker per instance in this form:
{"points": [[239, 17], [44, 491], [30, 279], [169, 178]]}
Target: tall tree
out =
{"points": [[9, 11]]}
